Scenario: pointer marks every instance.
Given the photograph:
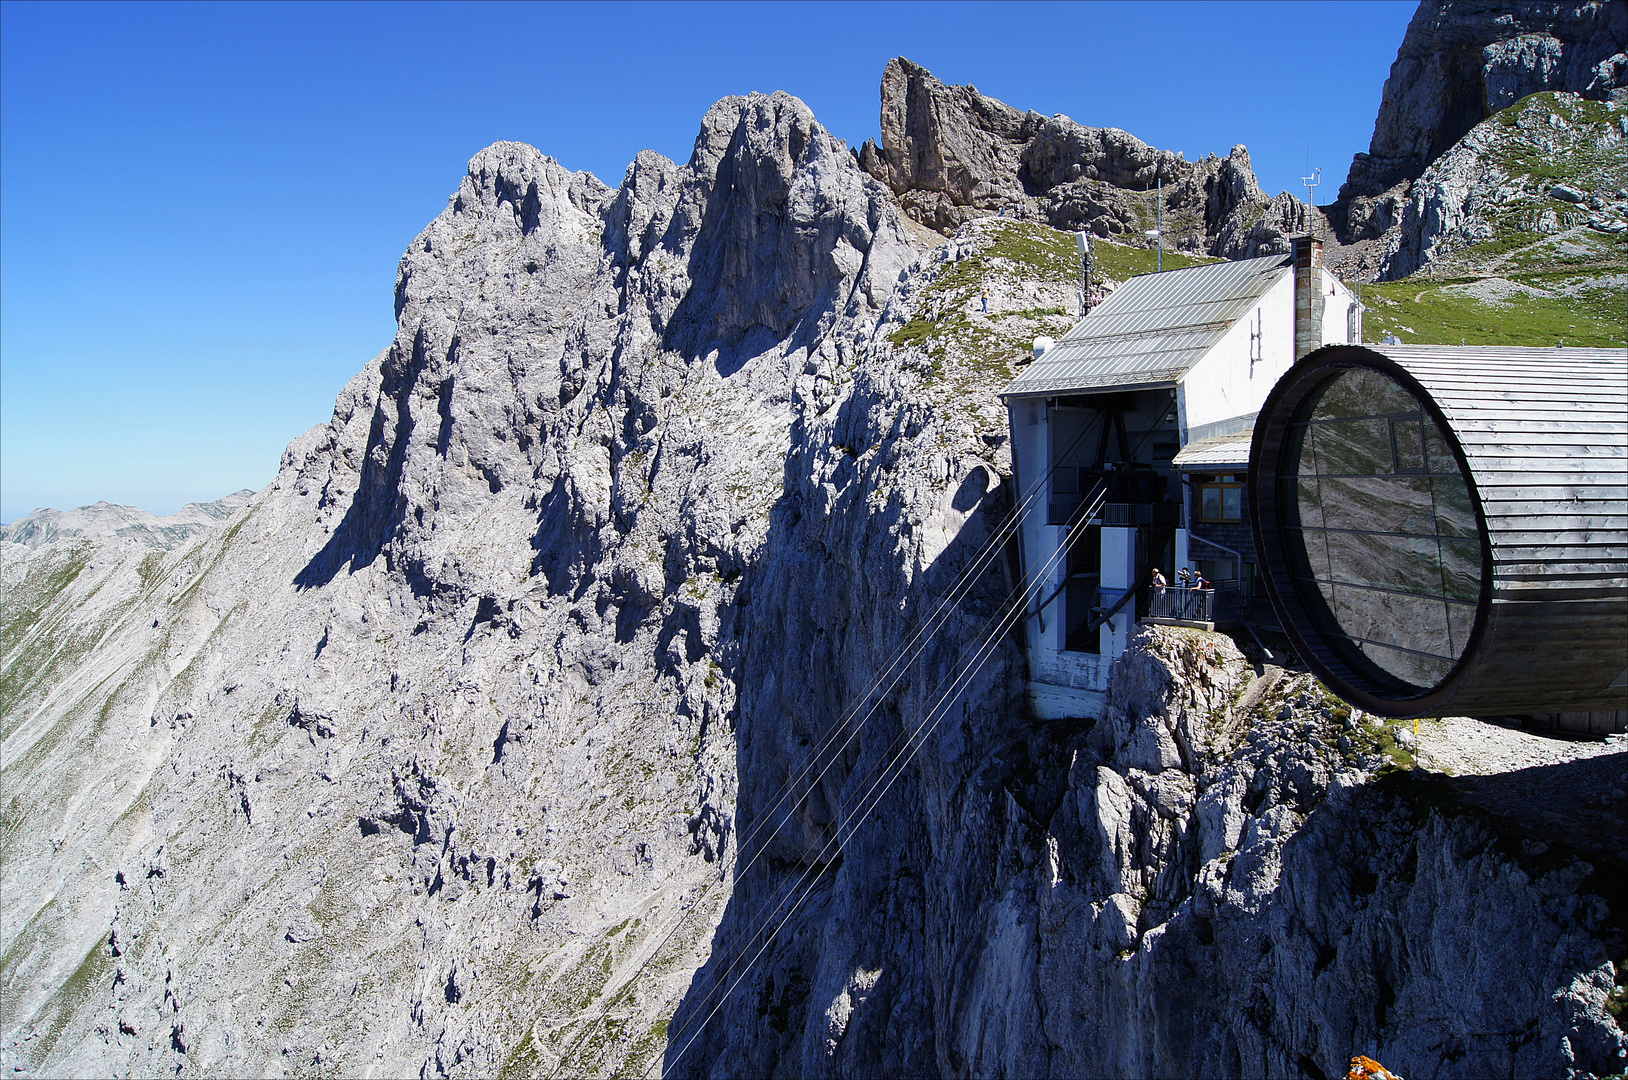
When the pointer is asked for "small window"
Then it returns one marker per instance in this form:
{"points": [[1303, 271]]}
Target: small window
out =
{"points": [[1221, 499]]}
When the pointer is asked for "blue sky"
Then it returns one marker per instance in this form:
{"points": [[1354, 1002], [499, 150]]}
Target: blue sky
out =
{"points": [[202, 206]]}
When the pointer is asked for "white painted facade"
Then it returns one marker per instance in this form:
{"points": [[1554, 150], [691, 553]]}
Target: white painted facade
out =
{"points": [[1234, 377]]}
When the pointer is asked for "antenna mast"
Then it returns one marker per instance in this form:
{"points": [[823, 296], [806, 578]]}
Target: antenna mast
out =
{"points": [[1085, 274], [1311, 183], [1157, 232]]}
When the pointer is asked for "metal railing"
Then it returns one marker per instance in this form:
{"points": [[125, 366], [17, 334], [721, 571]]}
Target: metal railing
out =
{"points": [[1175, 602]]}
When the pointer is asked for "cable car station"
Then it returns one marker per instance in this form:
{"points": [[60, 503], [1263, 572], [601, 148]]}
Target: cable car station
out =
{"points": [[1128, 438]]}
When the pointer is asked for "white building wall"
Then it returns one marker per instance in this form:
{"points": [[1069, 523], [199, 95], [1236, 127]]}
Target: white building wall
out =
{"points": [[1337, 304], [1224, 384]]}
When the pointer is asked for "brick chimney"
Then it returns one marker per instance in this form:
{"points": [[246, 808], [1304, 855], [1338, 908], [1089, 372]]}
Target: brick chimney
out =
{"points": [[1308, 294]]}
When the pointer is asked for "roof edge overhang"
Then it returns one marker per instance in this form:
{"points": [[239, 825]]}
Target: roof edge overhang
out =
{"points": [[1237, 466], [1083, 391]]}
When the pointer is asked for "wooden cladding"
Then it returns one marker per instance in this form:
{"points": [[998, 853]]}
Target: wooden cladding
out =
{"points": [[1487, 575]]}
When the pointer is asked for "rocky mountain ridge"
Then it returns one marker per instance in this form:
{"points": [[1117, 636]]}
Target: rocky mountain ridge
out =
{"points": [[488, 738], [1462, 62], [104, 519], [409, 767], [951, 154]]}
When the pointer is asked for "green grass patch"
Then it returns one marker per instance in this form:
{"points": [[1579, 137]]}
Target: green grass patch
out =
{"points": [[967, 348], [1617, 1001], [1418, 310], [27, 604], [1029, 313], [524, 1061], [1381, 739], [1536, 155]]}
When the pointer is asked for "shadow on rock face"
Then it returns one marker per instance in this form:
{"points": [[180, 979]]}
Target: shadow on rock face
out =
{"points": [[377, 506], [763, 252], [817, 965], [1578, 804]]}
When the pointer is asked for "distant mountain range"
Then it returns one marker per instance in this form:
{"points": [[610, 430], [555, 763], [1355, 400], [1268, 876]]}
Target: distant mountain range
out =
{"points": [[104, 520]]}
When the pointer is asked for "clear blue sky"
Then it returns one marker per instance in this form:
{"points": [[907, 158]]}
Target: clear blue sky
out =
{"points": [[202, 206]]}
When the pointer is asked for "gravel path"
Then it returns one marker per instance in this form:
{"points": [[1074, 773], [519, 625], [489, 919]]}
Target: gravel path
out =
{"points": [[1462, 746]]}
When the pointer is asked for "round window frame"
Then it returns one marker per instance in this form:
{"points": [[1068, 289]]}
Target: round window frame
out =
{"points": [[1292, 394]]}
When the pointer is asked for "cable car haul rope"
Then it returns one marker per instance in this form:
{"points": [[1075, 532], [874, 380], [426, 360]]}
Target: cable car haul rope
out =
{"points": [[1011, 611]]}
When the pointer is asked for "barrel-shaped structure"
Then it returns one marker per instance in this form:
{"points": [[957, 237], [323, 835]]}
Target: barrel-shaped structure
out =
{"points": [[1445, 529]]}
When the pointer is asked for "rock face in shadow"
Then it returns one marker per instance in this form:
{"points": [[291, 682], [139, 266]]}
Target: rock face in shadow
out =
{"points": [[1190, 886], [952, 154]]}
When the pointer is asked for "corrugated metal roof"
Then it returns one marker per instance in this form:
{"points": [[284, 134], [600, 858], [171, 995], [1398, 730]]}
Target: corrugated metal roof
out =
{"points": [[1152, 329], [1223, 451]]}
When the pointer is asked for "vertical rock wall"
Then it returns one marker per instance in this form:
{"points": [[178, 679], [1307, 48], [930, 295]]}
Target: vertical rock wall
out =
{"points": [[1221, 877]]}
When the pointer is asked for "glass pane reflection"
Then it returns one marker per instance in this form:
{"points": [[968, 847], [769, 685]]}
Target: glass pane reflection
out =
{"points": [[1382, 536]]}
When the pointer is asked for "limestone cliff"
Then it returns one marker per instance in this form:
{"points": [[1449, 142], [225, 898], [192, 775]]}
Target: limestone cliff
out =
{"points": [[1551, 171], [410, 767], [1462, 61], [1449, 135], [1226, 875]]}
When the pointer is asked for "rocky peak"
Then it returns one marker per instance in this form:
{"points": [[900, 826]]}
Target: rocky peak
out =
{"points": [[1461, 62], [509, 578], [785, 223], [952, 154], [949, 140]]}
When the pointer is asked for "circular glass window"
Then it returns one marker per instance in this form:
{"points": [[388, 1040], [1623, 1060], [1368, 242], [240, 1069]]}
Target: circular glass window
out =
{"points": [[1379, 531]]}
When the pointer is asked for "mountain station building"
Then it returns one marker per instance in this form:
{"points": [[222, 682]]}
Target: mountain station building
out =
{"points": [[1130, 439]]}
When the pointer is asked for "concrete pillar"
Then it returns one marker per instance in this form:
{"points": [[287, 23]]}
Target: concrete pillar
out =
{"points": [[1056, 635], [1031, 452], [1118, 575]]}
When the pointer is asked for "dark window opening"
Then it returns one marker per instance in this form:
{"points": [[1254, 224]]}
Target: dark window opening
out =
{"points": [[1221, 499], [1084, 579]]}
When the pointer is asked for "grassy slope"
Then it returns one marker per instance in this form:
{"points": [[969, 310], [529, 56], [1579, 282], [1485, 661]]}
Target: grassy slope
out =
{"points": [[1563, 288], [1025, 250], [1571, 308]]}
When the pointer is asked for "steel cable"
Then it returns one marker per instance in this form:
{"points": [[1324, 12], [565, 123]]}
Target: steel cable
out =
{"points": [[898, 666]]}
